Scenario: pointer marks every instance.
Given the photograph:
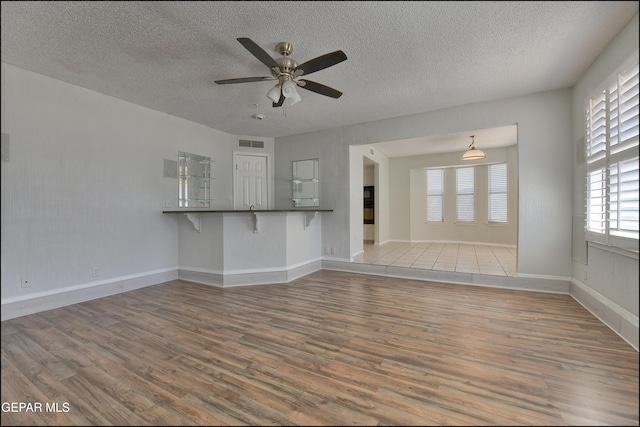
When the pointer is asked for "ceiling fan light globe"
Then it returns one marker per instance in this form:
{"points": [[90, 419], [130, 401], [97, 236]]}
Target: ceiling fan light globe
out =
{"points": [[274, 94], [289, 89], [295, 98]]}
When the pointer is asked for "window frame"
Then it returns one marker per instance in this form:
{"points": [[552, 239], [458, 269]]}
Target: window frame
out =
{"points": [[490, 193], [439, 194], [465, 194], [605, 151]]}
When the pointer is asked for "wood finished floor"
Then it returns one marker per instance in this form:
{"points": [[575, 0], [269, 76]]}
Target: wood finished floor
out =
{"points": [[331, 348], [494, 260]]}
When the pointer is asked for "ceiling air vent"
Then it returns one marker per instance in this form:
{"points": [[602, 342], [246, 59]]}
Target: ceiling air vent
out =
{"points": [[252, 144]]}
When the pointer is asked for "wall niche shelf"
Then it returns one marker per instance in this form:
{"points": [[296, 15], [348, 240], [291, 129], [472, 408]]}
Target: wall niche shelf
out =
{"points": [[306, 183], [194, 180]]}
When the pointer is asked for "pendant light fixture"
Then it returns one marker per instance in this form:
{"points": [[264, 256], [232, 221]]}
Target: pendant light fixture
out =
{"points": [[473, 153]]}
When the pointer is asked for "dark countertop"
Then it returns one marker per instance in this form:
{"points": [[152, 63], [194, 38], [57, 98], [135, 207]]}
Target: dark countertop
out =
{"points": [[207, 210]]}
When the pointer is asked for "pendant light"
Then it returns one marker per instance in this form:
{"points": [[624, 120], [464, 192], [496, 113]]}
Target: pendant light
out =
{"points": [[473, 153]]}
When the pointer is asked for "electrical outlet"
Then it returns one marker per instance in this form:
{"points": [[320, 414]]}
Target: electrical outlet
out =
{"points": [[166, 204], [95, 272], [333, 251], [24, 282], [326, 250]]}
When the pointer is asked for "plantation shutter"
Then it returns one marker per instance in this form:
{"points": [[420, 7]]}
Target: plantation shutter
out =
{"points": [[623, 155], [612, 162]]}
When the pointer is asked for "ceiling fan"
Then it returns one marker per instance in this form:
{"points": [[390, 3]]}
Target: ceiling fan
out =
{"points": [[287, 72]]}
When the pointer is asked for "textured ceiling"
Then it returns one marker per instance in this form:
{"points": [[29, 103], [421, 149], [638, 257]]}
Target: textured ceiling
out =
{"points": [[403, 57]]}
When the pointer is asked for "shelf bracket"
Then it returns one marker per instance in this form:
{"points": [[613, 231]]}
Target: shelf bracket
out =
{"points": [[196, 220], [308, 217]]}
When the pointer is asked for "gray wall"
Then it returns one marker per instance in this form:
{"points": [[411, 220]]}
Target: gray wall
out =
{"points": [[544, 182], [604, 273], [408, 212], [83, 188]]}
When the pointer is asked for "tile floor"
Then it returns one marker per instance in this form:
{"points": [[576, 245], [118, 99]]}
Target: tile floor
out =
{"points": [[493, 260]]}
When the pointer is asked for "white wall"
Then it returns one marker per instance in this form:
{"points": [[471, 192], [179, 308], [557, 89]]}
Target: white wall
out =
{"points": [[83, 188], [357, 154], [545, 152], [408, 211], [334, 183], [609, 276], [368, 178]]}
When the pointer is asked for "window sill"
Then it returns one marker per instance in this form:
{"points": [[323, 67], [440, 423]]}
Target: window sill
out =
{"points": [[613, 249]]}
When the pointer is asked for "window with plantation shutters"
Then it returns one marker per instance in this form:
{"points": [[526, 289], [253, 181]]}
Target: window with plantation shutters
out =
{"points": [[465, 194], [498, 193], [612, 165], [435, 193]]}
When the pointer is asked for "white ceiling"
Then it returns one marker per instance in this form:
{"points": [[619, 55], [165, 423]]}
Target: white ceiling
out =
{"points": [[403, 57]]}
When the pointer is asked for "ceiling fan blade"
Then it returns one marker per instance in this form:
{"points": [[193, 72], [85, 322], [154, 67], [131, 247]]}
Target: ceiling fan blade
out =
{"points": [[319, 88], [244, 80], [321, 62], [280, 101], [258, 52]]}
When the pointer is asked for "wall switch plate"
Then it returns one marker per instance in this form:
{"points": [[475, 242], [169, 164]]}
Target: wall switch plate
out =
{"points": [[166, 204]]}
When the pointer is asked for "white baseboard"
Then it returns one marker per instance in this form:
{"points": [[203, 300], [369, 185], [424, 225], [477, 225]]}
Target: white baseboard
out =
{"points": [[35, 303], [546, 284], [249, 277], [460, 242], [619, 320]]}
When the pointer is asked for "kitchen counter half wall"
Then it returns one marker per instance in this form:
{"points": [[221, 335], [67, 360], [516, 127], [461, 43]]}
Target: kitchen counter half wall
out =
{"points": [[230, 248]]}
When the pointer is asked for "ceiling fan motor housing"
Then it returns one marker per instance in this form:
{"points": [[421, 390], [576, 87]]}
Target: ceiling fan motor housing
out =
{"points": [[286, 64]]}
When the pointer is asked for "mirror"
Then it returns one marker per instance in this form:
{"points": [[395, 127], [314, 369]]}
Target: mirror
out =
{"points": [[306, 183]]}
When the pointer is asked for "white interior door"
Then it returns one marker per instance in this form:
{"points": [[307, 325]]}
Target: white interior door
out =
{"points": [[250, 182]]}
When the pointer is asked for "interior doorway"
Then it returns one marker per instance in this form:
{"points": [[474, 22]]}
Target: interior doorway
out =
{"points": [[251, 178], [412, 241], [370, 186]]}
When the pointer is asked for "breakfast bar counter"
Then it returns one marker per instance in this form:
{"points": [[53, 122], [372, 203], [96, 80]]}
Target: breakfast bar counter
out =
{"points": [[244, 247]]}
